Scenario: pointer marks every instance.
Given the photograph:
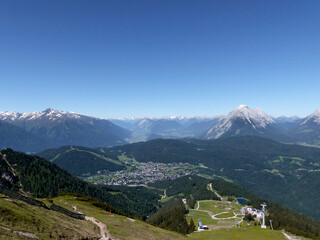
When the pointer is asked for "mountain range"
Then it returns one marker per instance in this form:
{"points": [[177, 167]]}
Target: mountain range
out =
{"points": [[37, 131], [52, 128], [239, 122], [245, 121]]}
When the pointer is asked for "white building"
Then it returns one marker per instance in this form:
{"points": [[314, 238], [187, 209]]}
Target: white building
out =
{"points": [[257, 214]]}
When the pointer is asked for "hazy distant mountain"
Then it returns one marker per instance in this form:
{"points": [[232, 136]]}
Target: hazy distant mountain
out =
{"points": [[201, 125], [241, 121], [12, 136], [60, 128], [52, 128], [166, 127], [308, 129], [284, 119], [158, 125]]}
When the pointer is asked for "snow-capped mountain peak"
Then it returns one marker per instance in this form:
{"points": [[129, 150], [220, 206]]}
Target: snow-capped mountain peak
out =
{"points": [[242, 106], [314, 117], [254, 117], [50, 114]]}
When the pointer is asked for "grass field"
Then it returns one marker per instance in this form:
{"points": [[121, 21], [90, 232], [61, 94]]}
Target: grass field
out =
{"points": [[204, 216], [120, 226], [214, 206], [224, 228], [225, 215], [238, 234]]}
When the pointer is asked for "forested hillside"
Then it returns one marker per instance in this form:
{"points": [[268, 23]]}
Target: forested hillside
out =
{"points": [[284, 173], [171, 216], [282, 217], [192, 188], [81, 161], [44, 179]]}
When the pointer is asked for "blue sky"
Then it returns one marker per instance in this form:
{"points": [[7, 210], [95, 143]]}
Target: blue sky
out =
{"points": [[159, 58]]}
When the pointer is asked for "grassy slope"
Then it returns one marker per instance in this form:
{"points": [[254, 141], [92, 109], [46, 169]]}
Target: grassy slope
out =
{"points": [[123, 228], [46, 224], [239, 234], [44, 179], [52, 225], [120, 226]]}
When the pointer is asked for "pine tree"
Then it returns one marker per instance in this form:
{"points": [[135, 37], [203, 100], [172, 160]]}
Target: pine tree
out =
{"points": [[192, 227]]}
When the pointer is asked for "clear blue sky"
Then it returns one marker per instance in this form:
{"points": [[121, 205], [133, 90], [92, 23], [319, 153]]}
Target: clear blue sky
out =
{"points": [[158, 58]]}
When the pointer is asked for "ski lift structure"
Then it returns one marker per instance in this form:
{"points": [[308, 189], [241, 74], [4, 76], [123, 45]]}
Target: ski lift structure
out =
{"points": [[263, 205], [201, 227]]}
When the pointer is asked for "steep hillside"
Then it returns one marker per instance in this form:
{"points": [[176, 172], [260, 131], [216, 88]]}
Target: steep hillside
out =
{"points": [[44, 179], [19, 220], [81, 161]]}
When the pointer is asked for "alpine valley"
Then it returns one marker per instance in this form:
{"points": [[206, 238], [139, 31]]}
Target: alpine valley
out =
{"points": [[65, 175]]}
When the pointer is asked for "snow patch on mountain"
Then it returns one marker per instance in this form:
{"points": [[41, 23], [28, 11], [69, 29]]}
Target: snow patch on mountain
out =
{"points": [[49, 113], [144, 123]]}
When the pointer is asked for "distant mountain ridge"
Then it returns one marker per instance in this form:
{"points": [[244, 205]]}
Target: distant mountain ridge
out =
{"points": [[51, 128], [58, 128], [239, 122], [245, 121], [166, 127], [308, 129], [16, 137]]}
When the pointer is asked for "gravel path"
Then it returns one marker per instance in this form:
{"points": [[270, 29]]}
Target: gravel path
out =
{"points": [[291, 237], [105, 234], [23, 234]]}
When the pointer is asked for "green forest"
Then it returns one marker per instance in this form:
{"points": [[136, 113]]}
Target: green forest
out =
{"points": [[284, 173], [171, 216], [44, 179]]}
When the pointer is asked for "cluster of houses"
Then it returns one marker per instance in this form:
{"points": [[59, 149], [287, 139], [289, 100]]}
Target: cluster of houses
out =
{"points": [[144, 173], [256, 213]]}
